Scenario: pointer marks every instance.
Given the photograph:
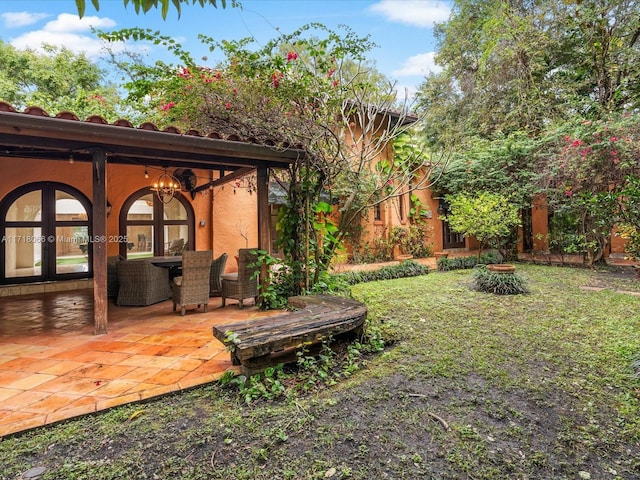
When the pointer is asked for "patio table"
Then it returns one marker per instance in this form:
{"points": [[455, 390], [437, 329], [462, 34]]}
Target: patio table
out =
{"points": [[168, 262]]}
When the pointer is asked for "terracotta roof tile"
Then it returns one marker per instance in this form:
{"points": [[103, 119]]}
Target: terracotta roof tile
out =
{"points": [[121, 122], [97, 119], [171, 130], [149, 126], [5, 107], [36, 111], [67, 116]]}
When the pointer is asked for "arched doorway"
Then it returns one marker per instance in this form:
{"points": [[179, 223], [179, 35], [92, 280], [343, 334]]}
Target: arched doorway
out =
{"points": [[152, 226], [46, 232]]}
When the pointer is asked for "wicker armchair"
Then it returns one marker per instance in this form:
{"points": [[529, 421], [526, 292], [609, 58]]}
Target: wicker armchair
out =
{"points": [[246, 283], [112, 275], [175, 247], [215, 277], [192, 288], [142, 283]]}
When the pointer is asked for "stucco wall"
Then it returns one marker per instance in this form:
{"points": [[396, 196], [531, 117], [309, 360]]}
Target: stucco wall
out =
{"points": [[219, 214]]}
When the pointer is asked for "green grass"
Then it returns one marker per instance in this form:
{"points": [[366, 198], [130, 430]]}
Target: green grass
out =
{"points": [[536, 386]]}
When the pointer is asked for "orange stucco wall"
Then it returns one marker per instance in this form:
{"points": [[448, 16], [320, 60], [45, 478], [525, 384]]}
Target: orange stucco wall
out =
{"points": [[221, 216], [540, 224]]}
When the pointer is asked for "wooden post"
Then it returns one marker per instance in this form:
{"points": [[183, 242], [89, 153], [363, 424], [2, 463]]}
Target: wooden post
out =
{"points": [[99, 241], [264, 217], [264, 221]]}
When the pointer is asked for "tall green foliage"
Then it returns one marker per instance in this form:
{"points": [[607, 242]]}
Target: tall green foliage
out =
{"points": [[541, 97], [489, 217], [55, 80], [145, 5]]}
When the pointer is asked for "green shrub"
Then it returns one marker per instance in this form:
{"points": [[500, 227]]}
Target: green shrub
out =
{"points": [[413, 240], [461, 263], [485, 280], [403, 270]]}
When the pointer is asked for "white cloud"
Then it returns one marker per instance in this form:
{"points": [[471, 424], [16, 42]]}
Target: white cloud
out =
{"points": [[66, 31], [419, 13], [21, 19], [421, 64], [67, 22]]}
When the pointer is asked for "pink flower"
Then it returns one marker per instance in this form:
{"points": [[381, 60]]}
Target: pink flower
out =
{"points": [[569, 193], [614, 139], [275, 79], [292, 56], [167, 106], [227, 105], [576, 143], [614, 153], [99, 99], [331, 72]]}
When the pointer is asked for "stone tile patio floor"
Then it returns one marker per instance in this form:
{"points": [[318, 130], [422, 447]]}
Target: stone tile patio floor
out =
{"points": [[53, 367]]}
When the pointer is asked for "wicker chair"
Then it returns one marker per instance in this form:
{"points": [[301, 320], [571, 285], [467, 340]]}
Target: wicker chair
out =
{"points": [[215, 278], [112, 275], [246, 283], [175, 247], [192, 288], [142, 283]]}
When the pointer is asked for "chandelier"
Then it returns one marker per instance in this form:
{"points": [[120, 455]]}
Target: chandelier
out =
{"points": [[166, 187]]}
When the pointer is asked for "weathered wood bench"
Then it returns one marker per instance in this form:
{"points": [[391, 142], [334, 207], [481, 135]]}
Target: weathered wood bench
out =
{"points": [[254, 343]]}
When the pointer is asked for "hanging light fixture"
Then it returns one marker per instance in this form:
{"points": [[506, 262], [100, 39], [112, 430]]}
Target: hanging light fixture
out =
{"points": [[166, 187]]}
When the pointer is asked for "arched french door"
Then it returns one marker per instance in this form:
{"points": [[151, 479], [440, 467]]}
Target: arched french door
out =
{"points": [[151, 227], [46, 232]]}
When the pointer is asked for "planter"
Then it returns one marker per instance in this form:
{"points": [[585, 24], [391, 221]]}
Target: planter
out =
{"points": [[404, 257], [501, 268], [440, 255]]}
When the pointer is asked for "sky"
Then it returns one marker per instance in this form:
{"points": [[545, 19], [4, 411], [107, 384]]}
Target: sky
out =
{"points": [[401, 29]]}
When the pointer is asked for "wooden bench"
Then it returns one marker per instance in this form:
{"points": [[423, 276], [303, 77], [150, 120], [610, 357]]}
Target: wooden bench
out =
{"points": [[254, 343]]}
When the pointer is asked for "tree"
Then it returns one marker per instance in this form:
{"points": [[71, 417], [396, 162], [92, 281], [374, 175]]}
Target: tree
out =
{"points": [[532, 94], [55, 80], [489, 217], [146, 5], [518, 65], [299, 89]]}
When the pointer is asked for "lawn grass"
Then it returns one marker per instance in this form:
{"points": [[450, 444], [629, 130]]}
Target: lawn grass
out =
{"points": [[470, 386]]}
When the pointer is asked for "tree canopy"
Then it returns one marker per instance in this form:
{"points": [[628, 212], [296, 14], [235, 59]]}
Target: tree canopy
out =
{"points": [[540, 97], [145, 5], [55, 80]]}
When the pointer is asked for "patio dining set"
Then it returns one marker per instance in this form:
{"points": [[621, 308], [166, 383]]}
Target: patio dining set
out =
{"points": [[189, 279]]}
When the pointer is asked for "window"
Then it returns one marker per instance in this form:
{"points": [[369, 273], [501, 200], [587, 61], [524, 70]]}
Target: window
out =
{"points": [[377, 213], [45, 234], [153, 228]]}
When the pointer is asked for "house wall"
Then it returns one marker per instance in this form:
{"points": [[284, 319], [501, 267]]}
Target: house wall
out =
{"points": [[617, 243], [540, 223], [225, 215]]}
